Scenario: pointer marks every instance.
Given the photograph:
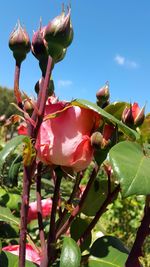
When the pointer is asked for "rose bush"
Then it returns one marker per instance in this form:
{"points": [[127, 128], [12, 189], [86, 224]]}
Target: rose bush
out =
{"points": [[64, 139]]}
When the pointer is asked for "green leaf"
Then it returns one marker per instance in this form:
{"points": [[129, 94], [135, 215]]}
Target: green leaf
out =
{"points": [[145, 129], [10, 147], [14, 168], [70, 254], [78, 227], [131, 164], [96, 196], [107, 251], [125, 129], [14, 202], [116, 109], [7, 216], [8, 259]]}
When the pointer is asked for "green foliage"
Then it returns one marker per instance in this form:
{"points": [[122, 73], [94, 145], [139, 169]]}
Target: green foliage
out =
{"points": [[130, 163], [107, 251], [7, 97], [78, 227], [122, 220], [108, 117], [96, 196], [8, 259], [70, 253]]}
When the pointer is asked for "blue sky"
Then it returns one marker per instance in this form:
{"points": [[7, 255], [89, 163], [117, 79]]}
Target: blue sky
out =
{"points": [[111, 43]]}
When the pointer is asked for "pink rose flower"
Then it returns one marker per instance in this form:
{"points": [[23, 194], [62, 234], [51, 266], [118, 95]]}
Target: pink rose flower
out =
{"points": [[31, 254], [65, 139], [46, 209]]}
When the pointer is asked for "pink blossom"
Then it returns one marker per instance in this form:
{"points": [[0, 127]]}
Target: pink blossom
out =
{"points": [[46, 209], [65, 139], [31, 253]]}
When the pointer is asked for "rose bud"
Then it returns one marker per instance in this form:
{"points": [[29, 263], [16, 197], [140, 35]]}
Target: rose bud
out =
{"points": [[133, 115], [51, 87], [103, 96], [39, 44], [96, 140], [108, 134], [19, 43], [59, 35]]}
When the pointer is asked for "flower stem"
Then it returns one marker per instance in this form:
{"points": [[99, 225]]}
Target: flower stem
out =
{"points": [[65, 211], [29, 170], [39, 209], [42, 97], [52, 231], [16, 85], [142, 233], [102, 209], [78, 208], [24, 214]]}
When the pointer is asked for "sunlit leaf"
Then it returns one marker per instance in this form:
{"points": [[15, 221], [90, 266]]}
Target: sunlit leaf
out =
{"points": [[107, 251], [131, 165], [10, 147], [70, 254], [125, 129], [7, 216]]}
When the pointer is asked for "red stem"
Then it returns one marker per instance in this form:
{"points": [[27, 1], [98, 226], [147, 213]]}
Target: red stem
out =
{"points": [[102, 209], [52, 231], [29, 170], [142, 233], [39, 208], [75, 188], [42, 97], [78, 208], [16, 85], [24, 214]]}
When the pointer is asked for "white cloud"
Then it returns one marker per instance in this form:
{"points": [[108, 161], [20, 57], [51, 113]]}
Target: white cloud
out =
{"points": [[119, 60], [64, 83], [122, 61]]}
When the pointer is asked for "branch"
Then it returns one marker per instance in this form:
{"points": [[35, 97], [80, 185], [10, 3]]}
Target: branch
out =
{"points": [[52, 231], [29, 170], [39, 209], [142, 233], [42, 97], [78, 208], [16, 85], [102, 209], [75, 188], [24, 214]]}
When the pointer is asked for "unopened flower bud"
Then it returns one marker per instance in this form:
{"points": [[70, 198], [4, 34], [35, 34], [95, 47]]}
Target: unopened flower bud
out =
{"points": [[133, 115], [96, 140], [19, 43], [28, 105], [103, 96], [59, 34], [51, 87], [39, 45], [108, 134]]}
